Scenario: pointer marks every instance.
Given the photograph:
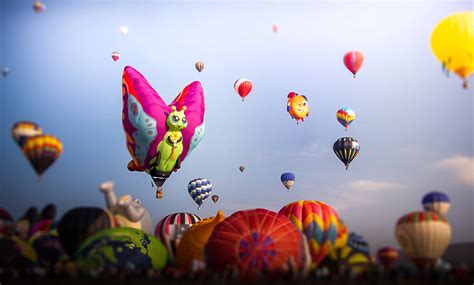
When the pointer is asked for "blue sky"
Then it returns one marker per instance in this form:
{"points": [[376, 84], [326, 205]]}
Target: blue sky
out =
{"points": [[414, 125]]}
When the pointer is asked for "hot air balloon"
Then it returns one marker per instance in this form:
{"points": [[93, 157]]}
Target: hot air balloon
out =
{"points": [[452, 42], [275, 28], [159, 136], [255, 241], [243, 87], [346, 150], [353, 61], [437, 202], [215, 198], [23, 130], [297, 106], [387, 256], [38, 6], [199, 189], [319, 222], [123, 30], [199, 66], [241, 168], [358, 243], [342, 236], [288, 179], [191, 245], [115, 55], [5, 71], [355, 254], [345, 116], [423, 237], [42, 151], [171, 228]]}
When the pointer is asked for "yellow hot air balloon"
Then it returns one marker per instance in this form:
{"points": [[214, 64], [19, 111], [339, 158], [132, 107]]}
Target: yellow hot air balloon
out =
{"points": [[452, 42], [423, 236], [191, 246], [42, 151]]}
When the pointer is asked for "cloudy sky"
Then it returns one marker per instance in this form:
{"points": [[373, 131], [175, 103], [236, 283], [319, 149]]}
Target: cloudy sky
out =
{"points": [[414, 125]]}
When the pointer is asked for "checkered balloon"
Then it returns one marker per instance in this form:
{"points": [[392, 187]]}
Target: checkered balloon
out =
{"points": [[199, 189]]}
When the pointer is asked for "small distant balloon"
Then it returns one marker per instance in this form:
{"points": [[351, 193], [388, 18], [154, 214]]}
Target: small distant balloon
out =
{"points": [[115, 55], [288, 179], [5, 71], [199, 66], [123, 30], [241, 168], [215, 198], [345, 116], [275, 28], [346, 150], [243, 87], [199, 189], [353, 61], [42, 151], [38, 6]]}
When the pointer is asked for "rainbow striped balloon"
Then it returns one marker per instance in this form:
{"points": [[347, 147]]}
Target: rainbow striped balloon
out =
{"points": [[345, 116], [319, 223]]}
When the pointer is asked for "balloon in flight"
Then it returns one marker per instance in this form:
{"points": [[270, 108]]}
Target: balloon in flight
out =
{"points": [[243, 87], [353, 61], [346, 150]]}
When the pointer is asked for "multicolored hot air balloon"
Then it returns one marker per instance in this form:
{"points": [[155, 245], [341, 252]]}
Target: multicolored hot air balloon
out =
{"points": [[297, 106], [115, 55], [241, 168], [423, 237], [288, 179], [42, 151], [199, 66], [342, 235], [191, 245], [215, 198], [358, 243], [345, 116], [354, 255], [255, 241], [387, 256], [159, 136], [23, 130], [437, 202], [199, 189], [346, 150], [171, 228], [243, 87], [452, 42], [319, 222], [353, 61], [38, 6]]}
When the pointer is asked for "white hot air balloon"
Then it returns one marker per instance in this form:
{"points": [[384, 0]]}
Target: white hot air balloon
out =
{"points": [[123, 30]]}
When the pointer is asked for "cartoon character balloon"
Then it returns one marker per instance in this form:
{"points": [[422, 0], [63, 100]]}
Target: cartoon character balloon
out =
{"points": [[23, 130], [452, 42], [199, 189], [297, 106], [346, 150], [288, 179], [115, 55], [199, 66], [319, 222], [353, 61], [243, 87], [345, 116], [437, 202], [42, 151], [159, 136]]}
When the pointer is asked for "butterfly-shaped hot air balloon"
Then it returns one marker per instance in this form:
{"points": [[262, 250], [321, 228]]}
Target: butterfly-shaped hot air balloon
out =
{"points": [[159, 136], [353, 61], [199, 189], [42, 151], [345, 116], [346, 150], [243, 87]]}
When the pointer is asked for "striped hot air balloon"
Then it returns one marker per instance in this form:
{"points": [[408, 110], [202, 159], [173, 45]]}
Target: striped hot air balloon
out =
{"points": [[353, 61], [23, 130], [42, 151], [171, 228], [346, 150], [199, 66], [423, 237], [437, 202], [319, 222], [243, 87], [345, 116]]}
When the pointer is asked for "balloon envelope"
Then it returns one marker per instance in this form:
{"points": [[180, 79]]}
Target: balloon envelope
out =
{"points": [[353, 61], [23, 130], [199, 189], [437, 202], [199, 66], [215, 198], [387, 256], [42, 151], [243, 87], [345, 116], [346, 149], [288, 179]]}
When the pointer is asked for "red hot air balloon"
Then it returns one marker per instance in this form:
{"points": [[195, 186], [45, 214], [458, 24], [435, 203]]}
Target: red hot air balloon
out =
{"points": [[387, 256], [353, 61], [243, 87], [254, 241], [115, 55]]}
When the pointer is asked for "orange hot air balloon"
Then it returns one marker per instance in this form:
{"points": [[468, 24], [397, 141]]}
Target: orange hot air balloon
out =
{"points": [[191, 245], [387, 256], [243, 87], [353, 61], [42, 151]]}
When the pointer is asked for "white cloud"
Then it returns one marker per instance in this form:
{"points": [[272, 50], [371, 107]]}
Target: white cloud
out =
{"points": [[461, 166], [371, 185]]}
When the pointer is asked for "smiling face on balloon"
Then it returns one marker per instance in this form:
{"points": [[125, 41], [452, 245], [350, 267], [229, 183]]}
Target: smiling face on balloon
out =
{"points": [[297, 106], [176, 120]]}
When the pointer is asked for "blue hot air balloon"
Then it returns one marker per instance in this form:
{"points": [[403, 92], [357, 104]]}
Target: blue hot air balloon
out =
{"points": [[437, 202], [288, 179], [199, 189]]}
